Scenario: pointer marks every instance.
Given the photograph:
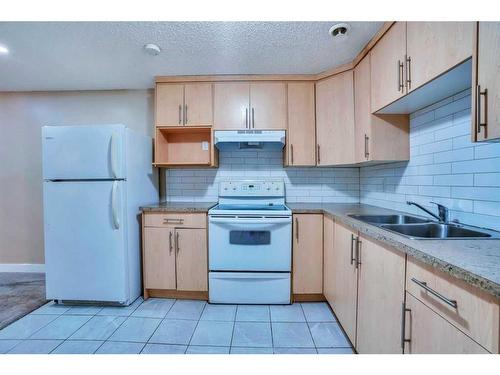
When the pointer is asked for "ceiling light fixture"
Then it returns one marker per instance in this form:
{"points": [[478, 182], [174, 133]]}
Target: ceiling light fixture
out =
{"points": [[152, 49], [339, 30], [3, 50]]}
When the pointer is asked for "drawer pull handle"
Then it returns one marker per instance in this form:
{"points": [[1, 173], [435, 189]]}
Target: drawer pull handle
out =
{"points": [[404, 340], [423, 285], [177, 221]]}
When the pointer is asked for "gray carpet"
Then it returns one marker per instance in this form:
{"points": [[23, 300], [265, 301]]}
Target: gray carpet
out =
{"points": [[20, 293]]}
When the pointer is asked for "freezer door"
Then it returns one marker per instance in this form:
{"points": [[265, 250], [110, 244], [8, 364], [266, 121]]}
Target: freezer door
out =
{"points": [[85, 240], [83, 152]]}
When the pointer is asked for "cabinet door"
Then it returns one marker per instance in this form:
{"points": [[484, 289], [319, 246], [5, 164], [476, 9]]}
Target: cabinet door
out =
{"points": [[198, 104], [268, 105], [308, 254], [362, 107], [381, 289], [429, 333], [231, 105], [345, 280], [191, 248], [159, 258], [328, 259], [387, 62], [169, 104], [301, 124], [435, 47], [488, 78], [335, 120]]}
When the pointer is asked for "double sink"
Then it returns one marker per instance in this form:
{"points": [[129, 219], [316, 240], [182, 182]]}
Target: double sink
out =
{"points": [[420, 228]]}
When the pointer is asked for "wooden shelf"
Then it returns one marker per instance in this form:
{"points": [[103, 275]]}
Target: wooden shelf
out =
{"points": [[184, 146]]}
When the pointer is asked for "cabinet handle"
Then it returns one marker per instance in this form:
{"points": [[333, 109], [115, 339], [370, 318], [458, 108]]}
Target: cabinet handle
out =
{"points": [[400, 76], [180, 114], [352, 248], [423, 285], [170, 242], [185, 114], [297, 229], [253, 118], [291, 153], [177, 242], [358, 257], [480, 124], [404, 340], [408, 72], [367, 153], [246, 118], [319, 159], [174, 221]]}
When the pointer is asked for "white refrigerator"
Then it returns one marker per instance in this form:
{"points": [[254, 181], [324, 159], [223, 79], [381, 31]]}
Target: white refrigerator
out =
{"points": [[95, 178]]}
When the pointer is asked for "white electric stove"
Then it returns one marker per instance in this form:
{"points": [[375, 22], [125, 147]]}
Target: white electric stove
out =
{"points": [[250, 244]]}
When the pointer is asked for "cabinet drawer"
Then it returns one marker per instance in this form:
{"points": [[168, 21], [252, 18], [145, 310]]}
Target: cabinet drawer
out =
{"points": [[473, 312], [175, 220]]}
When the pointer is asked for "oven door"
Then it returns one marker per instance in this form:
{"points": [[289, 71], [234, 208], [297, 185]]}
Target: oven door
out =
{"points": [[250, 243]]}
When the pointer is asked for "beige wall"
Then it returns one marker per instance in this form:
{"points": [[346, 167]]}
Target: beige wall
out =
{"points": [[21, 117]]}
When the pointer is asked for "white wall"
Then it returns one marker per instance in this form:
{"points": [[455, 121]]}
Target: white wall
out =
{"points": [[445, 167], [21, 116], [302, 184]]}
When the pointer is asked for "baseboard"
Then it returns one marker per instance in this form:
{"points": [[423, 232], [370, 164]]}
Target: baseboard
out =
{"points": [[22, 267]]}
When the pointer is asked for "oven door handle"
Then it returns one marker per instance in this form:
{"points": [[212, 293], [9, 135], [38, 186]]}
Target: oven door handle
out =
{"points": [[267, 220]]}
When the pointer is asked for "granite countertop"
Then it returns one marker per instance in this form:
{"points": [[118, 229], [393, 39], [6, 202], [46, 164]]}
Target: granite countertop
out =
{"points": [[186, 207], [477, 262]]}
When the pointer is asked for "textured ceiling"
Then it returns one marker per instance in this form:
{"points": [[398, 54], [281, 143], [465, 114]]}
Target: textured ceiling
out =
{"points": [[109, 55]]}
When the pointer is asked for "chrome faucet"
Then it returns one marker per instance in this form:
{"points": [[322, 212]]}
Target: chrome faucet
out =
{"points": [[443, 212]]}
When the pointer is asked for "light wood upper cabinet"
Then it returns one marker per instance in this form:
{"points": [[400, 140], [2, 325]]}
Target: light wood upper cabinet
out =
{"points": [[387, 67], [429, 333], [486, 90], [381, 289], [343, 274], [268, 105], [169, 104], [231, 105], [301, 145], [159, 258], [191, 246], [307, 254], [335, 120], [377, 137], [198, 104], [435, 47]]}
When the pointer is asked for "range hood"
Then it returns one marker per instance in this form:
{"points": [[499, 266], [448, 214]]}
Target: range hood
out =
{"points": [[249, 139]]}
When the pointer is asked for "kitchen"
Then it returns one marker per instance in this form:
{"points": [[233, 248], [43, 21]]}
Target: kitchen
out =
{"points": [[347, 209]]}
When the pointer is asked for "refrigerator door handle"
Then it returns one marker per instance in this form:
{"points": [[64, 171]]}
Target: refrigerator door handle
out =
{"points": [[114, 139], [116, 220]]}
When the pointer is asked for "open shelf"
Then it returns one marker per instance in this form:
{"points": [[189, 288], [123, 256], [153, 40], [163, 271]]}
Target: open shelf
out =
{"points": [[183, 146]]}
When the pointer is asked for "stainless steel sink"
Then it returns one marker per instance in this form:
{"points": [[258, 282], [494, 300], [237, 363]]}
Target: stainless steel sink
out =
{"points": [[389, 219], [437, 231]]}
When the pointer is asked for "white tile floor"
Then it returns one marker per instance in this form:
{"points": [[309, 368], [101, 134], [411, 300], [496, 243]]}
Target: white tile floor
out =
{"points": [[177, 326]]}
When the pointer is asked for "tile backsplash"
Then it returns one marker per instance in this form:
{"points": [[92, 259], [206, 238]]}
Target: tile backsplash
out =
{"points": [[444, 167], [302, 184]]}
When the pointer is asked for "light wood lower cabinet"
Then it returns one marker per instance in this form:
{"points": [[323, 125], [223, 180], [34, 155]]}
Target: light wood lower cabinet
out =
{"points": [[307, 254], [328, 259], [174, 257], [429, 333], [159, 258], [381, 289], [342, 276]]}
